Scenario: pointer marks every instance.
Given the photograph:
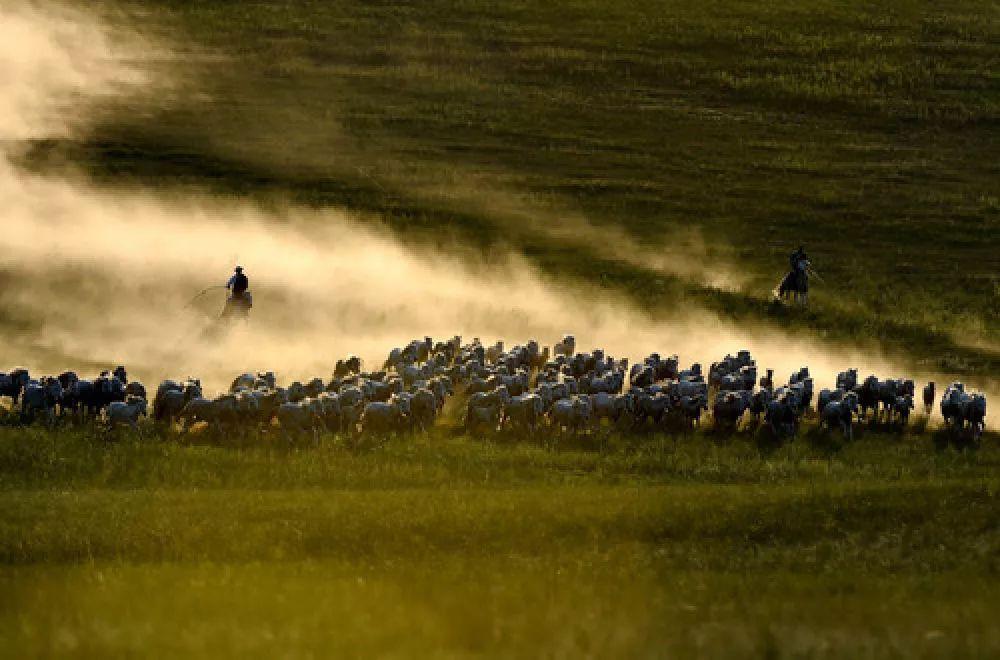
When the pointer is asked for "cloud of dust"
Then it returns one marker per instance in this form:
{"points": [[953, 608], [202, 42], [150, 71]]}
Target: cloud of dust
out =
{"points": [[54, 63], [102, 278], [109, 276], [676, 253]]}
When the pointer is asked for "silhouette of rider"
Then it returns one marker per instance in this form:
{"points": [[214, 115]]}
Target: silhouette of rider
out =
{"points": [[238, 283]]}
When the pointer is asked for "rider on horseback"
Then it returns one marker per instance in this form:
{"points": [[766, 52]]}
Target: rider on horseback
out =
{"points": [[238, 283], [239, 301], [796, 282]]}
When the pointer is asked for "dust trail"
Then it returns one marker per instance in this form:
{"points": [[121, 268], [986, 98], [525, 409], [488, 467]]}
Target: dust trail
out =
{"points": [[106, 277], [325, 285], [55, 65], [96, 278], [677, 253]]}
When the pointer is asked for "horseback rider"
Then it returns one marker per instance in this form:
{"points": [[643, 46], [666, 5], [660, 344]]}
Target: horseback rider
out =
{"points": [[796, 282], [239, 303], [238, 284]]}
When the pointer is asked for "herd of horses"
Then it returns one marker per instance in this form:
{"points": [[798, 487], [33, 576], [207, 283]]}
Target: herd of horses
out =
{"points": [[524, 387]]}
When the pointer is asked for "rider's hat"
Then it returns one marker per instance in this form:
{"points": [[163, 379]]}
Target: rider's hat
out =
{"points": [[239, 269]]}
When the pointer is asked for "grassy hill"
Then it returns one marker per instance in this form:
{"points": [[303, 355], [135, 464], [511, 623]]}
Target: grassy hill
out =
{"points": [[721, 135]]}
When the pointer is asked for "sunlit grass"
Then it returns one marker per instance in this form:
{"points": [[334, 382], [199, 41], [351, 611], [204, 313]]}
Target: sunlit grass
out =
{"points": [[84, 458], [447, 545], [619, 602]]}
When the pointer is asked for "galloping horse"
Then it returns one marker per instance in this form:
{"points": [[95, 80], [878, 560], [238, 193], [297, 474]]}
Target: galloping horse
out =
{"points": [[795, 284]]}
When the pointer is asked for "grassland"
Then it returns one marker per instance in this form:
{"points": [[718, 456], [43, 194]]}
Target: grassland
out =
{"points": [[867, 133], [450, 546], [730, 131]]}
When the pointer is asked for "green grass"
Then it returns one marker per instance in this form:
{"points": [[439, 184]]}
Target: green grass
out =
{"points": [[586, 603], [451, 546]]}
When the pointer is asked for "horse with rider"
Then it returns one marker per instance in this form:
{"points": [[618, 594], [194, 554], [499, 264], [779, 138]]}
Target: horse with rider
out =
{"points": [[795, 285], [240, 301]]}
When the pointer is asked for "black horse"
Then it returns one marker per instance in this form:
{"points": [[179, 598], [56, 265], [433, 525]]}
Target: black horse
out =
{"points": [[12, 383], [795, 286]]}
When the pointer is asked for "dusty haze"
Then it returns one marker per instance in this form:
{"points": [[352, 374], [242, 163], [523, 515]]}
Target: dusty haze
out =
{"points": [[92, 278]]}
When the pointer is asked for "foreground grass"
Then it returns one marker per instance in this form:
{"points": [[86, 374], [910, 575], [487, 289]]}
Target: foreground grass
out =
{"points": [[820, 528], [34, 458], [588, 603], [450, 546]]}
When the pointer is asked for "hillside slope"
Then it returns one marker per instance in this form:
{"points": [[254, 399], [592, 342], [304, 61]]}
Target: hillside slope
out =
{"points": [[657, 147]]}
